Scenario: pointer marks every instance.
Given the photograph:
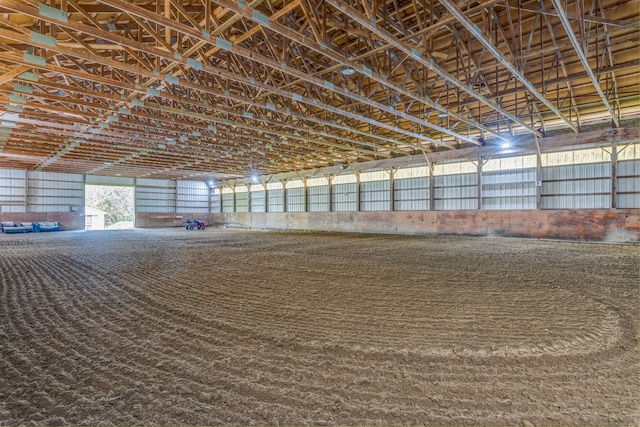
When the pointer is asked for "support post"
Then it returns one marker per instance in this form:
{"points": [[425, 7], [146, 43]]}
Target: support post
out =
{"points": [[479, 207], [614, 175], [330, 178], [432, 183], [538, 176], [392, 173], [284, 196]]}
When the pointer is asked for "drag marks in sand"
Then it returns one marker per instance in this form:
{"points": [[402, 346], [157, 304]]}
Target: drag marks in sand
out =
{"points": [[247, 327]]}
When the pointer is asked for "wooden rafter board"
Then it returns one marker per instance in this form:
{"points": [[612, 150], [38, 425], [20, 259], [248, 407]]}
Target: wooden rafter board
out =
{"points": [[224, 88]]}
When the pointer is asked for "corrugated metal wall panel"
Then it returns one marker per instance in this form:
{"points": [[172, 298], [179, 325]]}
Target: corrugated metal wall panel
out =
{"points": [[588, 186], [242, 202], [55, 176], [629, 201], [216, 201], [583, 186], [411, 194], [54, 192], [13, 174], [154, 182], [374, 196], [13, 191], [192, 197], [295, 199], [155, 195], [227, 202], [455, 192], [276, 200], [573, 172], [509, 189], [109, 180], [257, 201], [344, 197], [318, 199], [586, 201], [628, 184]]}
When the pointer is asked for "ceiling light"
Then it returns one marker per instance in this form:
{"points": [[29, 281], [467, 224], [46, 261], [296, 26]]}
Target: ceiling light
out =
{"points": [[506, 144], [348, 71]]}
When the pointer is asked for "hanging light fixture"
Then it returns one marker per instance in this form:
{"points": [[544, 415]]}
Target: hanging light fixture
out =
{"points": [[347, 71]]}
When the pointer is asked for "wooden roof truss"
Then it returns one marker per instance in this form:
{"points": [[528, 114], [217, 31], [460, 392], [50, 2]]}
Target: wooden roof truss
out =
{"points": [[224, 88]]}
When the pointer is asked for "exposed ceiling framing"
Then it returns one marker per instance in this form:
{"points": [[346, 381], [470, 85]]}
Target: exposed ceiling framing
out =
{"points": [[228, 88]]}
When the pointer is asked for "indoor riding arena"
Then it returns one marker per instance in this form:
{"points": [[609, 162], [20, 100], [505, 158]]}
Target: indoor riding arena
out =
{"points": [[300, 212]]}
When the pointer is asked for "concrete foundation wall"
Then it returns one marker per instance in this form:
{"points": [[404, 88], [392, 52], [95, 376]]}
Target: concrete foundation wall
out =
{"points": [[67, 220], [616, 225]]}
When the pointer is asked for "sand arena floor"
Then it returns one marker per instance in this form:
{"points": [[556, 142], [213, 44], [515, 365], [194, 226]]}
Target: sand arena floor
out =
{"points": [[252, 327]]}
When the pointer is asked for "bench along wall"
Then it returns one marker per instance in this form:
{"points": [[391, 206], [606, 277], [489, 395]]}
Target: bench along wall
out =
{"points": [[35, 196]]}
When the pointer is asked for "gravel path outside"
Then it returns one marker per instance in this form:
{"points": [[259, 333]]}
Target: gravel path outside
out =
{"points": [[248, 327]]}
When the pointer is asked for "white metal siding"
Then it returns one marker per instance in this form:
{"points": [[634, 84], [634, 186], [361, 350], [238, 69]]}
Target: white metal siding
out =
{"points": [[318, 199], [216, 201], [509, 189], [374, 195], [295, 199], [276, 202], [628, 184], [585, 186], [54, 192], [13, 190], [155, 195], [192, 197], [456, 192], [257, 201], [344, 197], [411, 194], [242, 202], [227, 202], [109, 180]]}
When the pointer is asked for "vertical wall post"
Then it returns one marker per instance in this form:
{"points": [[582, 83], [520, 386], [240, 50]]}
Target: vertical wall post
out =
{"points": [[392, 173], [479, 207], [330, 179], [235, 195], [284, 195], [266, 196], [432, 184], [358, 189], [26, 191], [175, 197], [538, 176], [614, 175], [304, 194]]}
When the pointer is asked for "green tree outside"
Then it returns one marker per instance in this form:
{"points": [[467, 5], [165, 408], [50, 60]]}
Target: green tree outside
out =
{"points": [[116, 202]]}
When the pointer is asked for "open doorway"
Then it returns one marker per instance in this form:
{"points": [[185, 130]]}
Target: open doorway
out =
{"points": [[108, 207]]}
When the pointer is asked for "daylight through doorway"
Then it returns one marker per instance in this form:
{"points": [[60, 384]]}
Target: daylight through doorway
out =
{"points": [[108, 207]]}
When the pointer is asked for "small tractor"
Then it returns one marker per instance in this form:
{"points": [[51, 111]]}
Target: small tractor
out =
{"points": [[195, 224]]}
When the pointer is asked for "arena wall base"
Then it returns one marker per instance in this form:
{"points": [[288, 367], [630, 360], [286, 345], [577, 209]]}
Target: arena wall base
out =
{"points": [[67, 220], [611, 225]]}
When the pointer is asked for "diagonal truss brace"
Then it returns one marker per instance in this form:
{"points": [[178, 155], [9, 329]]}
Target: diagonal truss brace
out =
{"points": [[576, 45], [473, 29]]}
